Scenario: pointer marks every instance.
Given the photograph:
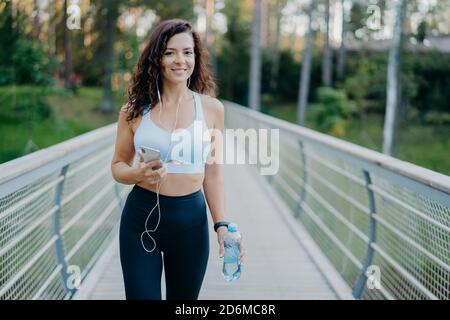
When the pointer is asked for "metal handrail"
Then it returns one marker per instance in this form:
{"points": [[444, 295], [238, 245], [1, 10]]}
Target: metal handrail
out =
{"points": [[52, 216], [49, 219], [425, 176], [363, 209]]}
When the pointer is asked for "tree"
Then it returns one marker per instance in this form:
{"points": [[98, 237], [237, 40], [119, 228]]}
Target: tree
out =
{"points": [[110, 9], [183, 9], [209, 33], [234, 47], [393, 84], [10, 35], [22, 60], [36, 23], [276, 47], [342, 53], [421, 31], [67, 51], [110, 14], [51, 29], [305, 74], [326, 58], [255, 58], [357, 19]]}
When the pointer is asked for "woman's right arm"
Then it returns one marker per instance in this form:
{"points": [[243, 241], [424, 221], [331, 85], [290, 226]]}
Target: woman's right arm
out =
{"points": [[121, 164]]}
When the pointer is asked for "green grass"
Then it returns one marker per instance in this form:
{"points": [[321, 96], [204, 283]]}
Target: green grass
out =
{"points": [[424, 145], [24, 129]]}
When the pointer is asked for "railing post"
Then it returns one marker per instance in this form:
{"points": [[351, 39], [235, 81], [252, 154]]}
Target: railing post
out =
{"points": [[299, 210], [362, 278], [59, 248]]}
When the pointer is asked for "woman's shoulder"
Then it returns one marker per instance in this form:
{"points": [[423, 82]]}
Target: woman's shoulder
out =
{"points": [[211, 104], [213, 109], [125, 113]]}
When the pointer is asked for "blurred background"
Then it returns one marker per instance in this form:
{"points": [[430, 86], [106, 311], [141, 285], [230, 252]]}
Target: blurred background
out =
{"points": [[334, 66]]}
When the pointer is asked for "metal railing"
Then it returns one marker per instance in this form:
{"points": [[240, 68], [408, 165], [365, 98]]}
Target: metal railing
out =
{"points": [[368, 212], [59, 208]]}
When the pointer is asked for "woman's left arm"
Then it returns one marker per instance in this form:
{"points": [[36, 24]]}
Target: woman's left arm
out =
{"points": [[213, 184]]}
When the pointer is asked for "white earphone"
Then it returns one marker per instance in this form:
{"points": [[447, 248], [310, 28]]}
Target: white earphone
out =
{"points": [[158, 186]]}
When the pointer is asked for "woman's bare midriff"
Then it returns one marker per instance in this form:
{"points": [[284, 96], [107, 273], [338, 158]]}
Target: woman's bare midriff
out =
{"points": [[177, 184]]}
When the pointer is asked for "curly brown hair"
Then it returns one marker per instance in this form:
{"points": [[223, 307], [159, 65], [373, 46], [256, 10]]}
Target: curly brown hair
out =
{"points": [[142, 91]]}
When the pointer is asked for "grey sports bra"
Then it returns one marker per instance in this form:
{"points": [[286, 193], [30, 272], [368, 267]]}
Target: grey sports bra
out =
{"points": [[186, 150]]}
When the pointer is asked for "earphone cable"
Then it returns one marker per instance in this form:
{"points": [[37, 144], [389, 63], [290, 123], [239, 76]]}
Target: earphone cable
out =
{"points": [[158, 185]]}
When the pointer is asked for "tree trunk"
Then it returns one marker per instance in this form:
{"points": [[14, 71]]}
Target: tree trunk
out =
{"points": [[276, 49], [13, 8], [112, 11], [393, 85], [326, 58], [255, 58], [67, 52], [36, 22], [342, 52], [305, 73], [209, 34], [51, 28]]}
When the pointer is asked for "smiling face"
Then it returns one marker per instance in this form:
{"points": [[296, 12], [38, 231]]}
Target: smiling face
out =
{"points": [[178, 60]]}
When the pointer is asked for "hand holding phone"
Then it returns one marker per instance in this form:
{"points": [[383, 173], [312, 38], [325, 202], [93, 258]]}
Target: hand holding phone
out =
{"points": [[150, 154]]}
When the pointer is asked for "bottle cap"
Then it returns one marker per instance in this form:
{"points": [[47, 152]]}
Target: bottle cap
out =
{"points": [[232, 227]]}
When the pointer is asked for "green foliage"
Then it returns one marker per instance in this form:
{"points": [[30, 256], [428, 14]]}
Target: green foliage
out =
{"points": [[233, 55], [22, 60], [286, 89], [182, 9], [437, 118], [22, 109], [431, 76], [127, 53], [420, 144], [366, 80], [333, 111], [24, 104], [421, 31], [424, 80], [288, 75], [34, 117]]}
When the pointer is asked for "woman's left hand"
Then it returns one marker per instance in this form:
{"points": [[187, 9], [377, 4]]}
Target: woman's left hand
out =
{"points": [[220, 232]]}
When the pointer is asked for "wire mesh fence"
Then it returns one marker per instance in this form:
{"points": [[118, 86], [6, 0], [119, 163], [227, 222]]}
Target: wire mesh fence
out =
{"points": [[383, 223], [59, 208]]}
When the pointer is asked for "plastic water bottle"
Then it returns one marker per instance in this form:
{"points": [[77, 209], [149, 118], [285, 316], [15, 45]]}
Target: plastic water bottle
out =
{"points": [[231, 239]]}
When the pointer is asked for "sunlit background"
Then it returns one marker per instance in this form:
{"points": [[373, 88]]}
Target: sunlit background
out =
{"points": [[65, 66]]}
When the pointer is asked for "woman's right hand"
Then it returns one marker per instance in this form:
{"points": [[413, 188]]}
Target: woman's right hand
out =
{"points": [[151, 172]]}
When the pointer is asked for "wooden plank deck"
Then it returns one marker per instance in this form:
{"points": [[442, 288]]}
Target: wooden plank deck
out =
{"points": [[277, 266]]}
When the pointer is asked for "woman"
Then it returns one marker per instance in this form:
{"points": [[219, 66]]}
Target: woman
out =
{"points": [[172, 93]]}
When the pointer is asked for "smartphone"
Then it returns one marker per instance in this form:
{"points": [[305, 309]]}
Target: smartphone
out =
{"points": [[150, 154]]}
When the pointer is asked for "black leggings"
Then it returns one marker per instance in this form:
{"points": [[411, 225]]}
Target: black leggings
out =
{"points": [[182, 236]]}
